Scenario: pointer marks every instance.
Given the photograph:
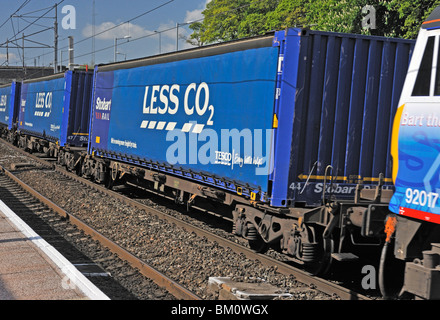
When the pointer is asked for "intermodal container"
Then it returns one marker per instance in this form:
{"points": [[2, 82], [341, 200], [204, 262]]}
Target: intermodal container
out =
{"points": [[338, 96], [9, 101], [57, 108], [274, 116], [205, 114]]}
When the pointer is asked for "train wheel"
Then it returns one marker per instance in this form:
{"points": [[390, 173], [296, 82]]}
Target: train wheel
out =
{"points": [[109, 182], [256, 242], [115, 171], [391, 272], [79, 168], [61, 158], [323, 257], [259, 245]]}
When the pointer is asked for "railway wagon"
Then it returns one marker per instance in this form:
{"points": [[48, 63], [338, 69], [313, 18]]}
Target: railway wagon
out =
{"points": [[54, 112], [9, 100], [287, 131]]}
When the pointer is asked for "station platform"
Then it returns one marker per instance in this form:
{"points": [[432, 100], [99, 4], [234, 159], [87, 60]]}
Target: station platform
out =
{"points": [[31, 269]]}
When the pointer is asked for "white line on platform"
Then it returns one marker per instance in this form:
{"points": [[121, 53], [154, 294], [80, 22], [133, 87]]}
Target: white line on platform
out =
{"points": [[76, 277]]}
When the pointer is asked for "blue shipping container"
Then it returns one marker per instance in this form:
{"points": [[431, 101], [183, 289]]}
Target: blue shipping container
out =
{"points": [[267, 115], [9, 99], [41, 107], [208, 118], [339, 94], [56, 108]]}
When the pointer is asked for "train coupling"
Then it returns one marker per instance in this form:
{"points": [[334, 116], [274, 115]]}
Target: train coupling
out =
{"points": [[369, 218]]}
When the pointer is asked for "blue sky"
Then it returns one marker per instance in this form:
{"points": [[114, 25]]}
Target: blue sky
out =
{"points": [[141, 38]]}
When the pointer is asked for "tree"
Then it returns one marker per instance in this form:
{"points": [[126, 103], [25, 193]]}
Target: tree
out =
{"points": [[288, 13], [348, 16], [413, 13], [195, 37], [221, 21], [233, 19]]}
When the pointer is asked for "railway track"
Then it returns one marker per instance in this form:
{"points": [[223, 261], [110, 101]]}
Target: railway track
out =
{"points": [[37, 209], [278, 267]]}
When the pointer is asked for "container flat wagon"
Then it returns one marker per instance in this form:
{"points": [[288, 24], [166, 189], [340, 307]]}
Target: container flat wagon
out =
{"points": [[54, 112], [287, 131]]}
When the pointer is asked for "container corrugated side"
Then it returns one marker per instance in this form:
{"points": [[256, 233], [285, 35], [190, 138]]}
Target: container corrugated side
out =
{"points": [[338, 93], [76, 111]]}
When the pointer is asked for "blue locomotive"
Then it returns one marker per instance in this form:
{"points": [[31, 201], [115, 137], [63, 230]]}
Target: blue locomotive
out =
{"points": [[287, 134], [415, 152]]}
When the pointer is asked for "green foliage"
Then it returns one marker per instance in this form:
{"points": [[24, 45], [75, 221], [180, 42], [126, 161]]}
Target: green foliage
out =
{"points": [[333, 15], [347, 16], [413, 13], [288, 13], [233, 19]]}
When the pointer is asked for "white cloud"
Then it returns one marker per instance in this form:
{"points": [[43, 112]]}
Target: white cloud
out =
{"points": [[12, 57], [171, 30], [111, 30], [108, 30], [196, 14]]}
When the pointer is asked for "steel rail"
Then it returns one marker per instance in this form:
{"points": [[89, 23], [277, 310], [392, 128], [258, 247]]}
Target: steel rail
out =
{"points": [[284, 268], [302, 276], [159, 278]]}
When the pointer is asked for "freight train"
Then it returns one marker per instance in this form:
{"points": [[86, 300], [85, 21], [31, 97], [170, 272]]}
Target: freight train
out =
{"points": [[298, 135]]}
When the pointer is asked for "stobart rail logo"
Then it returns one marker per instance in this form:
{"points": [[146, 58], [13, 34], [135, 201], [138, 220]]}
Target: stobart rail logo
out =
{"points": [[103, 109]]}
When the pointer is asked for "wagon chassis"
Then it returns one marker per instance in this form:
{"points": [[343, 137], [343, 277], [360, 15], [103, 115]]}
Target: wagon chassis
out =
{"points": [[312, 237]]}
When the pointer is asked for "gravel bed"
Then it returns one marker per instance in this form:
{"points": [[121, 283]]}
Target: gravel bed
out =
{"points": [[117, 279], [182, 256]]}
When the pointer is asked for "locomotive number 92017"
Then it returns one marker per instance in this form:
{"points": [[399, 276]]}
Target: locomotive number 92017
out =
{"points": [[421, 197]]}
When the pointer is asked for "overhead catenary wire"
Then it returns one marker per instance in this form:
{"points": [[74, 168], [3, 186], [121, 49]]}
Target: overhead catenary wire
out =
{"points": [[35, 11], [31, 23], [135, 39], [21, 7], [111, 28], [145, 36], [151, 34], [119, 25], [15, 37], [13, 40]]}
